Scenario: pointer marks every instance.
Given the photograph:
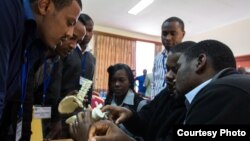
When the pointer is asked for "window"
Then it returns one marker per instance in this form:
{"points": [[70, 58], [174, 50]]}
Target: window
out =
{"points": [[144, 57]]}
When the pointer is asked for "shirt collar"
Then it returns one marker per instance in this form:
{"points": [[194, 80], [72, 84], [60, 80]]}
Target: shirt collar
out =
{"points": [[129, 98], [190, 95], [78, 46], [80, 49], [165, 52], [28, 15]]}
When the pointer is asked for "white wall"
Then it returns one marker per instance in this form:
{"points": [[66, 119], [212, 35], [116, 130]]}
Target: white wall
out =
{"points": [[122, 33], [236, 36], [126, 33]]}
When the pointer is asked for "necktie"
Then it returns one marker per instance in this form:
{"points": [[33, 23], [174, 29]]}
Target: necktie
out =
{"points": [[187, 106]]}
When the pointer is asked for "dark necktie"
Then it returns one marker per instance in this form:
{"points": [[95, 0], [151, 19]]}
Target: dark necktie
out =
{"points": [[187, 106]]}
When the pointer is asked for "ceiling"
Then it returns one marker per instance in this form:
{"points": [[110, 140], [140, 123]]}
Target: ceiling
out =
{"points": [[198, 15]]}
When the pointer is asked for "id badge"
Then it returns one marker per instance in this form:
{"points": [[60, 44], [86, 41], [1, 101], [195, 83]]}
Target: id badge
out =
{"points": [[19, 130], [42, 112], [81, 80]]}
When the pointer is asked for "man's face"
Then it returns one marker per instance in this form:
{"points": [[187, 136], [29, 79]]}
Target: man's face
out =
{"points": [[171, 34], [56, 25], [144, 72], [69, 45], [89, 28], [172, 70], [185, 76]]}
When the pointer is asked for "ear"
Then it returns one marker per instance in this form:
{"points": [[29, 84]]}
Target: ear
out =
{"points": [[184, 32], [201, 63], [43, 6]]}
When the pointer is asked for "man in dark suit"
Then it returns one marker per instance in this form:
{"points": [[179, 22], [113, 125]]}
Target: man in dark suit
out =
{"points": [[47, 81], [29, 28], [215, 91], [80, 64]]}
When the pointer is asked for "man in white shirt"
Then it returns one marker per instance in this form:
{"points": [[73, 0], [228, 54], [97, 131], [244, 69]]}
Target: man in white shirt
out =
{"points": [[171, 35]]}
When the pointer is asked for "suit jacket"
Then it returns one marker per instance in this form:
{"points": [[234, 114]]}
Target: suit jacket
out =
{"points": [[225, 100], [155, 120], [12, 104], [53, 90], [65, 78], [74, 66]]}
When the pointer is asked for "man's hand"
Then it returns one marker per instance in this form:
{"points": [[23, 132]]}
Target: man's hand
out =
{"points": [[105, 130], [79, 130], [118, 114]]}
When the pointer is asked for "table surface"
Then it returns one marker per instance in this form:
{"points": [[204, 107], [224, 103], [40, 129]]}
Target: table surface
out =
{"points": [[63, 140]]}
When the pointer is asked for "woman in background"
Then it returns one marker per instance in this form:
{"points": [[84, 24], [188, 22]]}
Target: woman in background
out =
{"points": [[121, 90]]}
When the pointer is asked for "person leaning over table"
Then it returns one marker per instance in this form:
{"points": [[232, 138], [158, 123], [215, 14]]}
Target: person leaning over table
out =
{"points": [[25, 25]]}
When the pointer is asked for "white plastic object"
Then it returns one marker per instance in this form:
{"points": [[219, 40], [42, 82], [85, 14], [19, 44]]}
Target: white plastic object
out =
{"points": [[71, 119], [97, 114], [70, 103]]}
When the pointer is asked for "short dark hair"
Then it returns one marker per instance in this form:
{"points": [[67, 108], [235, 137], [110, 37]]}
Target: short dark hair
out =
{"points": [[84, 18], [175, 19], [59, 4], [182, 47], [220, 54]]}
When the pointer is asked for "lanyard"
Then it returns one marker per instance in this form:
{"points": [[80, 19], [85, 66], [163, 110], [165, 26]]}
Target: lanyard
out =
{"points": [[83, 59], [164, 67], [24, 76], [46, 80]]}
